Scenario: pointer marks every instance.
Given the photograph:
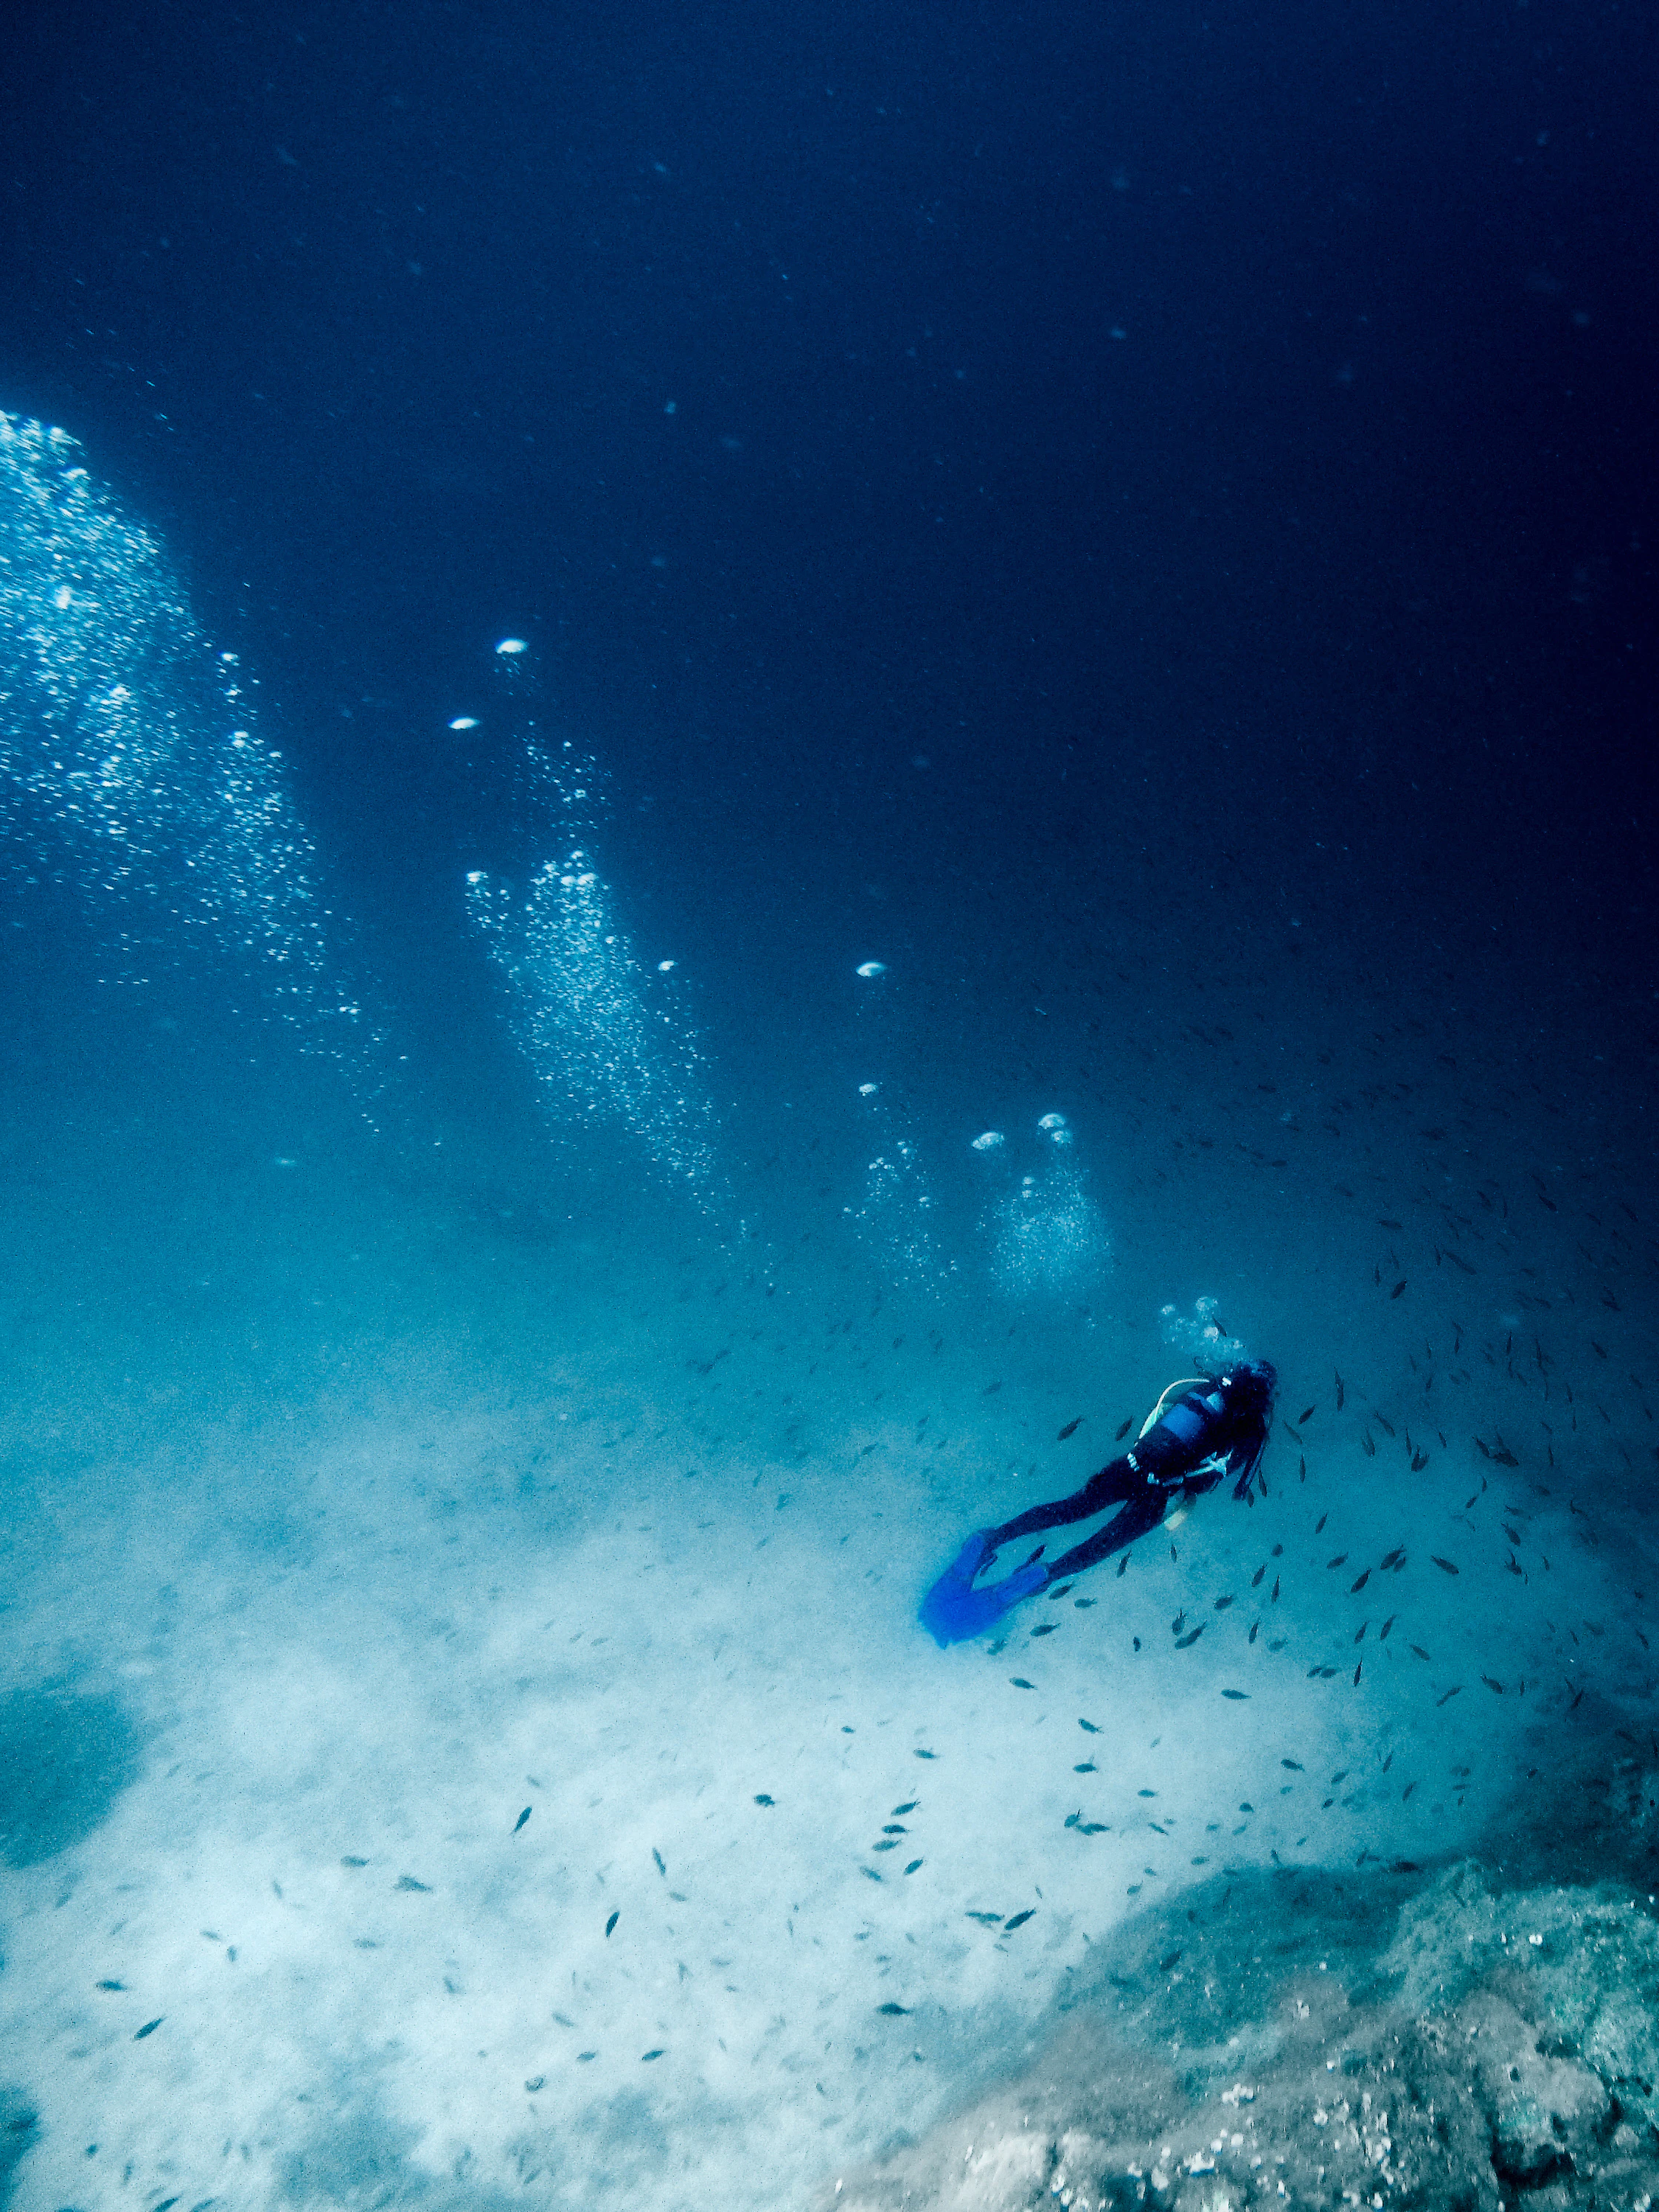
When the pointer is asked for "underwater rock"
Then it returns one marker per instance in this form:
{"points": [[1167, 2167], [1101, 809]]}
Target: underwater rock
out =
{"points": [[1546, 2111], [1494, 2042]]}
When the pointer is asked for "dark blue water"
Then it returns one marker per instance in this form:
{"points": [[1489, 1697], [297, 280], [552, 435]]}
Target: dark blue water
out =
{"points": [[749, 759]]}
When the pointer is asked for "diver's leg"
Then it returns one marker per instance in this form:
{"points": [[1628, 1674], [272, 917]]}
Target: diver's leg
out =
{"points": [[1109, 1487], [1142, 1514]]}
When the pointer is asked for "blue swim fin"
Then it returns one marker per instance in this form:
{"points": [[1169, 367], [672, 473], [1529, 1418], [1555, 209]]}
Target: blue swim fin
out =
{"points": [[953, 1610]]}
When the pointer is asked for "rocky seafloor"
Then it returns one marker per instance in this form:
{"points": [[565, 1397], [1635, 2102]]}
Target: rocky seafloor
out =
{"points": [[1470, 2036]]}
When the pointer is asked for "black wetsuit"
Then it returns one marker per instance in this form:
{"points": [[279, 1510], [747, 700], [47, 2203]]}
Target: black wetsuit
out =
{"points": [[1216, 1430]]}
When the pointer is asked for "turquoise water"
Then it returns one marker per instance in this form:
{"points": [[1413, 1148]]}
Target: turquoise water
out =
{"points": [[471, 1473]]}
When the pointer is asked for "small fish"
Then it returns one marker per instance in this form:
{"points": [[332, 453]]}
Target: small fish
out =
{"points": [[1255, 1579], [1018, 1920], [1123, 1431], [1445, 1565], [1274, 1598], [522, 1818], [1020, 1682], [1240, 1697], [1356, 1674], [1387, 1626], [1047, 1629], [1381, 1224], [1090, 1726], [1186, 1642], [895, 1828], [148, 2027], [1123, 1563], [1339, 1560], [1449, 1695], [1382, 1423], [1397, 1289], [986, 1919], [1294, 1765], [657, 1855], [645, 2056], [1340, 1391], [894, 2011], [1304, 1418], [112, 1985], [407, 1882], [908, 1806], [1094, 1828], [1256, 1630], [1514, 1535], [762, 1799], [610, 1923], [1420, 1652], [1222, 1603], [354, 1863], [1320, 1523], [1361, 1584], [1393, 1559], [1289, 1431], [1420, 1461], [1367, 1446]]}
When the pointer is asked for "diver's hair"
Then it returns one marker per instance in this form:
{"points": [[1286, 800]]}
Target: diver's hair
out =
{"points": [[1255, 1382]]}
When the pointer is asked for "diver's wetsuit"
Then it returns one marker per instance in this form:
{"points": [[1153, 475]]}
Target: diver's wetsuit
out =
{"points": [[1212, 1432], [1216, 1429]]}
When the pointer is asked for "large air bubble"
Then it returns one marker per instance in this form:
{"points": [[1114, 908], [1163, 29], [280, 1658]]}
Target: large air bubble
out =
{"points": [[1200, 1336]]}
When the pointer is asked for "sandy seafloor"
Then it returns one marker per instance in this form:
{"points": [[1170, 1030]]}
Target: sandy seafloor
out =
{"points": [[355, 1512]]}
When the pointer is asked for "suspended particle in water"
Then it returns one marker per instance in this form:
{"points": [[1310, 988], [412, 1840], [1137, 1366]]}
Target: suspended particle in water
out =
{"points": [[873, 967], [513, 645]]}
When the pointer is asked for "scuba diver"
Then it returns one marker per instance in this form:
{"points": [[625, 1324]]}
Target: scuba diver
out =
{"points": [[1204, 1430]]}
